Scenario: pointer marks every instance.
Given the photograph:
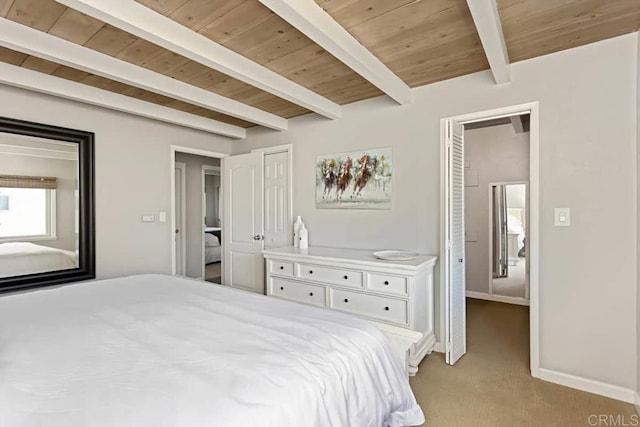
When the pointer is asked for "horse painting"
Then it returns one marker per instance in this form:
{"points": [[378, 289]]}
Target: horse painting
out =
{"points": [[367, 165], [329, 177], [344, 177], [366, 175]]}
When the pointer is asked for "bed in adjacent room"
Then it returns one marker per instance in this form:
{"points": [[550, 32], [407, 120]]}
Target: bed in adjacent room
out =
{"points": [[212, 248], [157, 350], [20, 258]]}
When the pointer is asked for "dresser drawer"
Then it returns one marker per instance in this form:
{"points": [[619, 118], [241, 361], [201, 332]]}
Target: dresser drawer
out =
{"points": [[330, 275], [377, 307], [296, 291], [281, 268], [390, 284]]}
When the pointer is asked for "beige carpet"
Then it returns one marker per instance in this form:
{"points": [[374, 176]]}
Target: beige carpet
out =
{"points": [[491, 385]]}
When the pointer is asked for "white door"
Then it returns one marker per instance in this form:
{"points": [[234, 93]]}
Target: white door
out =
{"points": [[179, 215], [455, 282], [277, 216], [242, 224]]}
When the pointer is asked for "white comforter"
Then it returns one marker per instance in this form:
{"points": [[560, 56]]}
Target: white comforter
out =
{"points": [[165, 351], [20, 258]]}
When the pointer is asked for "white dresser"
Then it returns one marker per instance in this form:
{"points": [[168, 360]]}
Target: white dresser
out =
{"points": [[354, 281]]}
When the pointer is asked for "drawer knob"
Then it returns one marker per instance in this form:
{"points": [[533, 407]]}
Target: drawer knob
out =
{"points": [[346, 277], [310, 294], [282, 288], [282, 267], [346, 300], [386, 282], [310, 271], [386, 309]]}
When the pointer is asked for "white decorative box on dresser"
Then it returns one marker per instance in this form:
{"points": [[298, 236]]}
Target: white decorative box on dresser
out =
{"points": [[397, 293]]}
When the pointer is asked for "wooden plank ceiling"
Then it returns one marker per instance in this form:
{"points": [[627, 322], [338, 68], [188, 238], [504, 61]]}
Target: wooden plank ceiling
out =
{"points": [[422, 41]]}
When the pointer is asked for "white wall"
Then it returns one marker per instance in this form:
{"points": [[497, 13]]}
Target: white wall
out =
{"points": [[132, 176], [494, 154], [194, 210], [66, 171], [588, 163]]}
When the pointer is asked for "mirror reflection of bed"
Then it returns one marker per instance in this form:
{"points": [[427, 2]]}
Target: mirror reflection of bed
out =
{"points": [[213, 254], [38, 205]]}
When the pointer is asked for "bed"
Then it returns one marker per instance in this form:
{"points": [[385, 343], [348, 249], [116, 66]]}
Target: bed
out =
{"points": [[20, 258], [212, 248], [157, 350]]}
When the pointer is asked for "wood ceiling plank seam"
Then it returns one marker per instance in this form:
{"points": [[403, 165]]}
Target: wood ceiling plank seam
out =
{"points": [[34, 42], [40, 14], [193, 14], [143, 22], [5, 6], [170, 6], [212, 30], [116, 39], [345, 16], [12, 57], [75, 26], [32, 80]]}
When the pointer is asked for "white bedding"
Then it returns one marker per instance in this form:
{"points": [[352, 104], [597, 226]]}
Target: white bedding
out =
{"points": [[165, 351], [212, 254], [20, 258]]}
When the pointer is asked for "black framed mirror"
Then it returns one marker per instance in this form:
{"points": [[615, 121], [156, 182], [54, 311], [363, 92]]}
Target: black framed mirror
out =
{"points": [[47, 218]]}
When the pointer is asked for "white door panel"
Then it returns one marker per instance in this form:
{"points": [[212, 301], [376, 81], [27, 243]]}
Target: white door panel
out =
{"points": [[242, 179], [277, 217], [455, 263]]}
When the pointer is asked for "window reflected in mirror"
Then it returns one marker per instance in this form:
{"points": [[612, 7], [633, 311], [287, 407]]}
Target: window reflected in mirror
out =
{"points": [[39, 205]]}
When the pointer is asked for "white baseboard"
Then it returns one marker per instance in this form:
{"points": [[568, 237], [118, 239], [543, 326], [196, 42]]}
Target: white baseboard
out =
{"points": [[588, 385], [439, 347], [497, 298]]}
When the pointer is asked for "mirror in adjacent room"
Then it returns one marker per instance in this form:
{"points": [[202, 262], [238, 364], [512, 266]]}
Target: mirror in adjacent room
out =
{"points": [[509, 239], [46, 205]]}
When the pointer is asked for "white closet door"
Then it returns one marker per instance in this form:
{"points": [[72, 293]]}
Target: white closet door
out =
{"points": [[242, 226], [455, 291], [277, 216]]}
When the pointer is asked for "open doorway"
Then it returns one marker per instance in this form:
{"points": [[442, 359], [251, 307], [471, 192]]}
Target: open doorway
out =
{"points": [[483, 234], [190, 169], [496, 176]]}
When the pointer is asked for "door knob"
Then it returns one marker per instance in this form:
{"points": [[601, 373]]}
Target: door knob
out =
{"points": [[258, 237]]}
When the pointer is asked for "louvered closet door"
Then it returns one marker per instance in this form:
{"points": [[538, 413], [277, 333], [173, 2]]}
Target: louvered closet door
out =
{"points": [[456, 313]]}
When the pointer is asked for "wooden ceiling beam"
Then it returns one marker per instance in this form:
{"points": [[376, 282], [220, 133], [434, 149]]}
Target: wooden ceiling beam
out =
{"points": [[147, 24], [517, 123], [16, 76], [487, 20], [42, 45], [319, 26]]}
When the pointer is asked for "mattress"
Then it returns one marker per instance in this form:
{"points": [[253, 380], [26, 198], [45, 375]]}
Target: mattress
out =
{"points": [[212, 254], [20, 258], [157, 350]]}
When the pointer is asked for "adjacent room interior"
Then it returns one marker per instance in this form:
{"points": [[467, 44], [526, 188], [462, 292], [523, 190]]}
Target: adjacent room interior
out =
{"points": [[319, 212]]}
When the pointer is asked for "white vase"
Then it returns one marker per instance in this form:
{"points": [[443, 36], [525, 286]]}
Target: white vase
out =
{"points": [[304, 238], [296, 232]]}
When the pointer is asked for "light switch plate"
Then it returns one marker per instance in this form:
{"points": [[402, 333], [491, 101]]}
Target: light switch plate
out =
{"points": [[562, 217], [148, 218], [162, 216]]}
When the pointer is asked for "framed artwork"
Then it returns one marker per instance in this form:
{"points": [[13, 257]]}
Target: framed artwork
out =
{"points": [[355, 180]]}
